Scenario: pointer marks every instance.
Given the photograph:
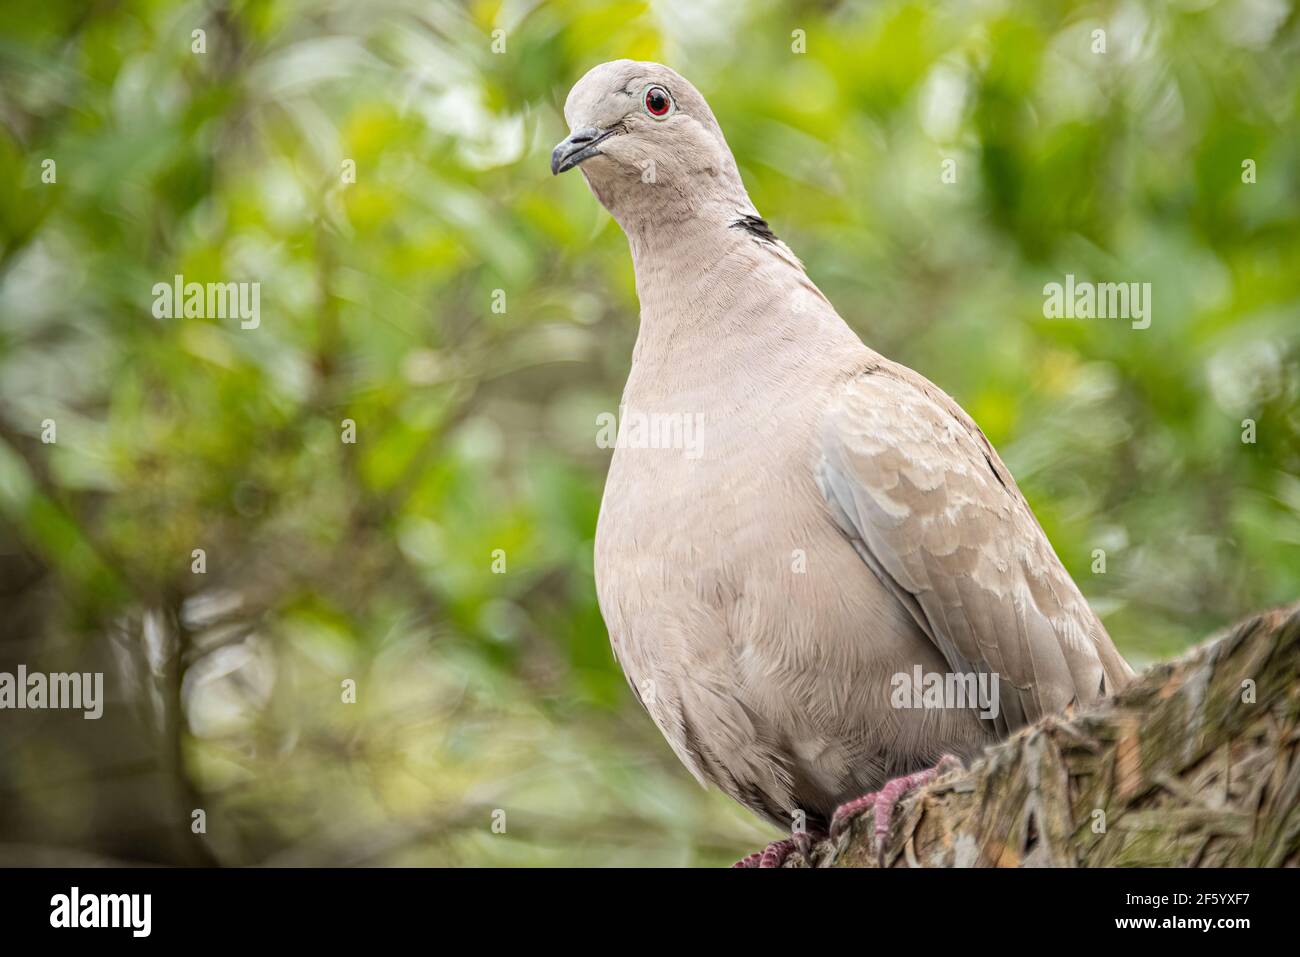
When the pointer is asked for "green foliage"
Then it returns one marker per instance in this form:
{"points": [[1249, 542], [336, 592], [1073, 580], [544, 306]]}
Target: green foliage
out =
{"points": [[373, 561]]}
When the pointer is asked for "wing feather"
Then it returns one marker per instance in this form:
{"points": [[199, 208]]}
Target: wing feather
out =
{"points": [[937, 517]]}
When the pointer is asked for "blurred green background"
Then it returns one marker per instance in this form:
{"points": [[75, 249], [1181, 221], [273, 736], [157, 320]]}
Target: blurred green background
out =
{"points": [[372, 561]]}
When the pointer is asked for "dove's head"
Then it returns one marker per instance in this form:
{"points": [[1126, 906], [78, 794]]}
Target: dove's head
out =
{"points": [[648, 144]]}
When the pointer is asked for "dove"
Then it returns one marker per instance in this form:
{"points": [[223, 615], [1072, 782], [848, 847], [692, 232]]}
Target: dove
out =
{"points": [[795, 530]]}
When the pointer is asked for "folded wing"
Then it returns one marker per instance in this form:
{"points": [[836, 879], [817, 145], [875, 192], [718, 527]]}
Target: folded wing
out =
{"points": [[937, 517]]}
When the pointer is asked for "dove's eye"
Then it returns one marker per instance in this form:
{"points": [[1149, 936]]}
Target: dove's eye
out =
{"points": [[657, 102]]}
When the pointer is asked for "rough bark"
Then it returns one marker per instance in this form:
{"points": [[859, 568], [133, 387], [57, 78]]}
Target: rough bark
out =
{"points": [[1194, 765]]}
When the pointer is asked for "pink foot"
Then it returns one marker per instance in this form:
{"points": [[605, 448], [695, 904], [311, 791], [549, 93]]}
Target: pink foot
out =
{"points": [[773, 856], [883, 802]]}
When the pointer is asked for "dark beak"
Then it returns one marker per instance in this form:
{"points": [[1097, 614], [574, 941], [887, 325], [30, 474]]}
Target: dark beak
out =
{"points": [[577, 146]]}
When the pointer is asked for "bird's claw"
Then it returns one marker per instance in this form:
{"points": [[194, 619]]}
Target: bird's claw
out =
{"points": [[773, 855], [883, 802], [845, 813]]}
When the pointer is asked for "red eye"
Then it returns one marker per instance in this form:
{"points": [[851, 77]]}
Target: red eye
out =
{"points": [[657, 101]]}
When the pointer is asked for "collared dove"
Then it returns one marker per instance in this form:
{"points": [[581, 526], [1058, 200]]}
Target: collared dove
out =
{"points": [[793, 526]]}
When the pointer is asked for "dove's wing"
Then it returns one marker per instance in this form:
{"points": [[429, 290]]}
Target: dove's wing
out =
{"points": [[936, 515]]}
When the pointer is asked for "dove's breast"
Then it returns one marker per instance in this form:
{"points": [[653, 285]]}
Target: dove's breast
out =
{"points": [[750, 629]]}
